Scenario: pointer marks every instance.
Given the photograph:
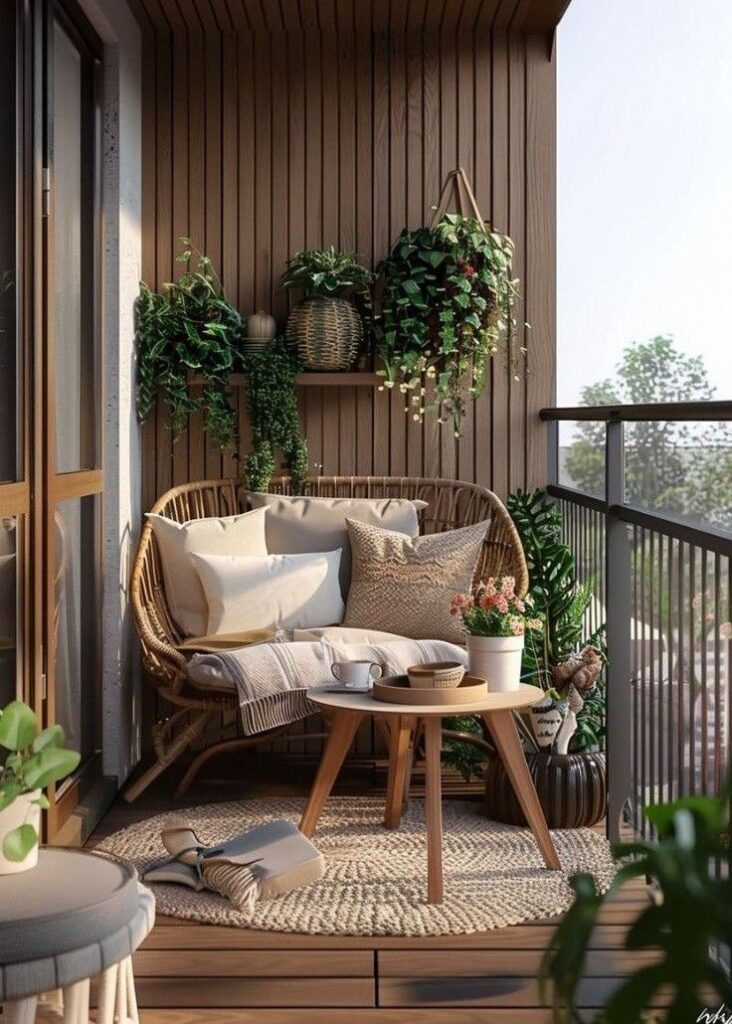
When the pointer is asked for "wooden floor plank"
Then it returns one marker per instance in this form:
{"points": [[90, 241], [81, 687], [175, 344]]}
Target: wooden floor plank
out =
{"points": [[190, 993], [382, 1015], [445, 963], [524, 936], [505, 992], [274, 963]]}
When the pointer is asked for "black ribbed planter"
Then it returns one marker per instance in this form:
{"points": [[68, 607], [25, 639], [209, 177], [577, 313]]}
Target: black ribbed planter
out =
{"points": [[572, 789]]}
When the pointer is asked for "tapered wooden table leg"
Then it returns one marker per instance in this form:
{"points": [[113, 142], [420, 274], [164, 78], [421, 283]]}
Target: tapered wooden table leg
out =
{"points": [[399, 765], [344, 728], [506, 738], [433, 807]]}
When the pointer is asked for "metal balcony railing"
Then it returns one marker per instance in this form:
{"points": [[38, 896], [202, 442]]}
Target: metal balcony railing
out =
{"points": [[662, 586]]}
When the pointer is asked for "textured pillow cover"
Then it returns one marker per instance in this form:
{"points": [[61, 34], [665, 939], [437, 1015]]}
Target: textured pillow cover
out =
{"points": [[297, 524], [271, 591], [228, 535], [406, 584]]}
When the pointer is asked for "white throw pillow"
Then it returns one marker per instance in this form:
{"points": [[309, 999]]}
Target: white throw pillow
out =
{"points": [[270, 592], [229, 535], [297, 523]]}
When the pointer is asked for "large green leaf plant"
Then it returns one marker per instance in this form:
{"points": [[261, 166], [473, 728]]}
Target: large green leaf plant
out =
{"points": [[190, 328], [561, 602], [30, 759]]}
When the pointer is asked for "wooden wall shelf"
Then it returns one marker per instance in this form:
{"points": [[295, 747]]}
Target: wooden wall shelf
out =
{"points": [[356, 379]]}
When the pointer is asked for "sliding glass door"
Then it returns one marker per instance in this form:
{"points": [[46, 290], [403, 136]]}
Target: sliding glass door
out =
{"points": [[14, 478], [51, 477]]}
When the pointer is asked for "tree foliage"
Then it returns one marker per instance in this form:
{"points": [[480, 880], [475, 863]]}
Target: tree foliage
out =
{"points": [[682, 468]]}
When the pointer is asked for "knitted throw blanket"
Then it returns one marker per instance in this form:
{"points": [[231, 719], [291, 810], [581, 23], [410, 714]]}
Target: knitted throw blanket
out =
{"points": [[273, 679]]}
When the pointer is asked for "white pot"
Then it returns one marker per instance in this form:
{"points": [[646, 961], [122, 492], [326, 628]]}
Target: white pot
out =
{"points": [[497, 659], [22, 811]]}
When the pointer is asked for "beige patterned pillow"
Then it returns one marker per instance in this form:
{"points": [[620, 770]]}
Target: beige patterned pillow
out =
{"points": [[405, 585]]}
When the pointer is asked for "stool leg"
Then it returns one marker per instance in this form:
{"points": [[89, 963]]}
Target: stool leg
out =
{"points": [[120, 1008], [20, 1011], [132, 1013], [76, 1003], [107, 991]]}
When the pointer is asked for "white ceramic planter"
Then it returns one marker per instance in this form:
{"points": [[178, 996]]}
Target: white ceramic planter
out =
{"points": [[22, 811], [497, 659]]}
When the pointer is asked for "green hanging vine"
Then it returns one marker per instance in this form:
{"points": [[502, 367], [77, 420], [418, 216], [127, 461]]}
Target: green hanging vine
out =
{"points": [[446, 308], [189, 328], [273, 414]]}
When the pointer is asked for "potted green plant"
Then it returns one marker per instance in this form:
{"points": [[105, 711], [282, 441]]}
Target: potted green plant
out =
{"points": [[189, 328], [446, 308], [496, 620], [327, 326], [567, 727], [688, 866], [30, 760]]}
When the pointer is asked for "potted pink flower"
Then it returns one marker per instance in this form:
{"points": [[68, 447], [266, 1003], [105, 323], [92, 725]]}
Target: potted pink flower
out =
{"points": [[496, 620]]}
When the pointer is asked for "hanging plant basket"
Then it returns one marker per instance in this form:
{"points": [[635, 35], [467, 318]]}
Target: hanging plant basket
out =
{"points": [[446, 308], [328, 333]]}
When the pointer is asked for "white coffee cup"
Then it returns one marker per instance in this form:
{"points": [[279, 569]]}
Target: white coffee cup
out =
{"points": [[356, 673]]}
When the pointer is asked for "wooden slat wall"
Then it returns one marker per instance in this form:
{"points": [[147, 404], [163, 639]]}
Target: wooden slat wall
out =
{"points": [[270, 127]]}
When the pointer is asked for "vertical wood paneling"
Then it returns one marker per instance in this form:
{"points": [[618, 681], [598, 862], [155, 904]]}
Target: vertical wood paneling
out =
{"points": [[334, 123]]}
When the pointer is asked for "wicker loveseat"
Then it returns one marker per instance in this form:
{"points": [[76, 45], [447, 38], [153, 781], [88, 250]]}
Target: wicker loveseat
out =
{"points": [[450, 504]]}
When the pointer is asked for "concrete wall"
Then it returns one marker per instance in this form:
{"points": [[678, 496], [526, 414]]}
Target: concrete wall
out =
{"points": [[122, 224]]}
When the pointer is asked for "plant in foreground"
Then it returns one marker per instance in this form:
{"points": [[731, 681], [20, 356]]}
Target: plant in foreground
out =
{"points": [[30, 760], [689, 864]]}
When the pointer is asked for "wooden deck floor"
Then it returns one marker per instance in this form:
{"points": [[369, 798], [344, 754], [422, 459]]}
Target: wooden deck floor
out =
{"points": [[213, 975]]}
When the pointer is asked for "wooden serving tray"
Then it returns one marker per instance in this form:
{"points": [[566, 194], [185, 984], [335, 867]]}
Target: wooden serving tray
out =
{"points": [[396, 690]]}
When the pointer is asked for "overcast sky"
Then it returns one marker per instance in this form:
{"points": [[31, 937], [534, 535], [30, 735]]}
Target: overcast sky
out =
{"points": [[645, 184]]}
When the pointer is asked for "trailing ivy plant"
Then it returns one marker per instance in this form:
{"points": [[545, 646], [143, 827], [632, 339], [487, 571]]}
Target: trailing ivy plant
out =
{"points": [[273, 414], [561, 602], [446, 308], [189, 328]]}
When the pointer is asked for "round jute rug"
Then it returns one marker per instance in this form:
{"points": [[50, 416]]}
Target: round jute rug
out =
{"points": [[375, 879]]}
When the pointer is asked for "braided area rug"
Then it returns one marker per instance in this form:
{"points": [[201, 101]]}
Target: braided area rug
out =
{"points": [[375, 879]]}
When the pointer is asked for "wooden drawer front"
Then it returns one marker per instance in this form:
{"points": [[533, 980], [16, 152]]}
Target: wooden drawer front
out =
{"points": [[188, 993], [243, 963]]}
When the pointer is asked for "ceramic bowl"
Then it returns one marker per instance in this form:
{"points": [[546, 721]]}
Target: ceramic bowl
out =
{"points": [[436, 675]]}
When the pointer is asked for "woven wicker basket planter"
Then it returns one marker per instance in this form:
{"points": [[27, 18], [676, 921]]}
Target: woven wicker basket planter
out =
{"points": [[572, 789], [328, 333]]}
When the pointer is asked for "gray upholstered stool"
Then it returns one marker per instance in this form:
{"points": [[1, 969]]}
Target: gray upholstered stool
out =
{"points": [[74, 917]]}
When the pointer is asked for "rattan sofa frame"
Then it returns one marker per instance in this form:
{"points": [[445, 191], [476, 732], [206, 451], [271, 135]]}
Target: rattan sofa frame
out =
{"points": [[450, 505]]}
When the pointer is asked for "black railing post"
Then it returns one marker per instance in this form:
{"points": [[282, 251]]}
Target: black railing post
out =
{"points": [[552, 453], [618, 555]]}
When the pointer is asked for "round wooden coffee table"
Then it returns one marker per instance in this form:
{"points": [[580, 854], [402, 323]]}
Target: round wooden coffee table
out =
{"points": [[347, 711]]}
